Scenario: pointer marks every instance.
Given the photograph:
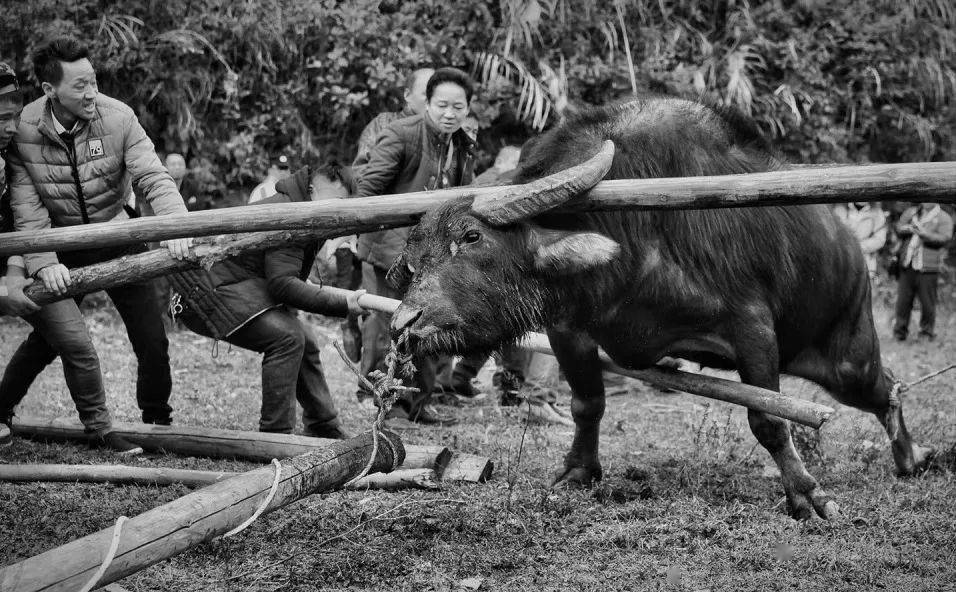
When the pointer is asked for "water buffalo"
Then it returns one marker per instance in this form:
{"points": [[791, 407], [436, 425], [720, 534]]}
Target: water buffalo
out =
{"points": [[760, 290]]}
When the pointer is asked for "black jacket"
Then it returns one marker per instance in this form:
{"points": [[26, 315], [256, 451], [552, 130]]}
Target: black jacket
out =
{"points": [[237, 290]]}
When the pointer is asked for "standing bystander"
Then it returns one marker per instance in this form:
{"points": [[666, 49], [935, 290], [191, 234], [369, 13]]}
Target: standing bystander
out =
{"points": [[924, 229]]}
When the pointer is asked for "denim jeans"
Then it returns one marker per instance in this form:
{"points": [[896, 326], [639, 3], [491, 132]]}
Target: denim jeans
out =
{"points": [[376, 340], [59, 329], [291, 370]]}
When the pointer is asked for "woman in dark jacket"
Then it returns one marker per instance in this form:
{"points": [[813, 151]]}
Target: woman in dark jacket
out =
{"points": [[419, 153]]}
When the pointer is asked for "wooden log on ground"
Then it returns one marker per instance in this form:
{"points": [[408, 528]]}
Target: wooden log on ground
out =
{"points": [[926, 181], [798, 410], [125, 475], [116, 474], [198, 517], [213, 443]]}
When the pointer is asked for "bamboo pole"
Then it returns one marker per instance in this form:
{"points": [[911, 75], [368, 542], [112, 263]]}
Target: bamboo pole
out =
{"points": [[930, 181], [198, 517], [126, 475], [798, 410]]}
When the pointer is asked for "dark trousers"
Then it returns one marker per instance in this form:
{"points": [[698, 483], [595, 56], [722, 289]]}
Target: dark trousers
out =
{"points": [[59, 330], [914, 284], [376, 341], [348, 275], [291, 370]]}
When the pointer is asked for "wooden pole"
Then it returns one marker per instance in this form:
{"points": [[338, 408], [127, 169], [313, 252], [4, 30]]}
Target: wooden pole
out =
{"points": [[125, 475], [118, 474], [804, 412], [247, 445], [198, 517], [929, 181], [214, 443]]}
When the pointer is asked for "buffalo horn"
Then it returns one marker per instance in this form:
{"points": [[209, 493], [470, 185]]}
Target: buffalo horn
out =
{"points": [[519, 202]]}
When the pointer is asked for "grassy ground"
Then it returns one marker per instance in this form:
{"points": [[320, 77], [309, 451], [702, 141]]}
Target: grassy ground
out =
{"points": [[689, 502]]}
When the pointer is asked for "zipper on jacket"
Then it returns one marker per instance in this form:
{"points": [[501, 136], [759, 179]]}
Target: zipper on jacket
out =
{"points": [[71, 154]]}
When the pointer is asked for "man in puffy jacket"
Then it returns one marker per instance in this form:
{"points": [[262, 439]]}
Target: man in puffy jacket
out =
{"points": [[248, 301], [75, 157], [419, 153]]}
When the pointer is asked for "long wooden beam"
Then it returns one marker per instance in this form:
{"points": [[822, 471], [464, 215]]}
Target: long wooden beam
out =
{"points": [[752, 397], [248, 445], [931, 181], [195, 518], [212, 442], [126, 475]]}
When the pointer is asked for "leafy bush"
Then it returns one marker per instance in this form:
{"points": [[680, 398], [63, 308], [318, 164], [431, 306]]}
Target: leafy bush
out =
{"points": [[235, 83]]}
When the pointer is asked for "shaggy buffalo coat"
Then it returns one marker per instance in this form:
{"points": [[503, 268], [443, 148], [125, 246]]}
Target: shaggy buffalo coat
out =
{"points": [[761, 290]]}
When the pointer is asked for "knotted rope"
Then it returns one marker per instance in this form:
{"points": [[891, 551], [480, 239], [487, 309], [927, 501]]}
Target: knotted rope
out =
{"points": [[385, 389]]}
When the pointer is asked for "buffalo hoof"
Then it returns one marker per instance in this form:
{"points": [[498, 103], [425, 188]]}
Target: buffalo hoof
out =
{"points": [[920, 461], [573, 477], [803, 506]]}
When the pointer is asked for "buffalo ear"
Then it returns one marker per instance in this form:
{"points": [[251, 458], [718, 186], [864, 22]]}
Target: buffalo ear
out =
{"points": [[563, 251]]}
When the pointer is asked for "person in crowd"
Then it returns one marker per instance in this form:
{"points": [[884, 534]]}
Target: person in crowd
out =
{"points": [[925, 230], [414, 96], [266, 189], [338, 182], [13, 277], [75, 155], [250, 300], [868, 223], [422, 152], [186, 184]]}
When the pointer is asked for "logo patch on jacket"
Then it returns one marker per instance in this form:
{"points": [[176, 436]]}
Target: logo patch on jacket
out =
{"points": [[96, 147]]}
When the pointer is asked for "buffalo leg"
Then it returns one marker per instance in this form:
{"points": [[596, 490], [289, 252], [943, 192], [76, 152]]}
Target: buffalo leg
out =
{"points": [[578, 357], [759, 366], [860, 381]]}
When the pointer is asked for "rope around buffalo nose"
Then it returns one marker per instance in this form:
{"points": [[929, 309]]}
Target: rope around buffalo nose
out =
{"points": [[385, 389]]}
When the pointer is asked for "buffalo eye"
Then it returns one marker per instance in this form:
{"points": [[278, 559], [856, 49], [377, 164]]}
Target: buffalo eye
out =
{"points": [[471, 237]]}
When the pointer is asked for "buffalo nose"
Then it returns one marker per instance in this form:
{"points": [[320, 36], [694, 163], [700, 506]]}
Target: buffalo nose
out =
{"points": [[404, 317]]}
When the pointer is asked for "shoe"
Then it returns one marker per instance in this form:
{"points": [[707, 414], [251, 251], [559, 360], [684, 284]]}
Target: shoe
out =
{"points": [[118, 444], [428, 415], [164, 421], [329, 433], [6, 434], [923, 336], [397, 419], [547, 413], [467, 391], [509, 385]]}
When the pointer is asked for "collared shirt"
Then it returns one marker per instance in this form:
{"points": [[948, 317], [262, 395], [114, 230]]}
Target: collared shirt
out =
{"points": [[60, 128], [914, 251]]}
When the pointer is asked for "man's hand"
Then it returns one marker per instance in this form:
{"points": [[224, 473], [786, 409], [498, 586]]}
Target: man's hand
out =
{"points": [[56, 278], [178, 247], [15, 303], [354, 308]]}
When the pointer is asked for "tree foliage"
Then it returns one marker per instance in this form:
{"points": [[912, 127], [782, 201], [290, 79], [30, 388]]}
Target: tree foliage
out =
{"points": [[230, 83]]}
